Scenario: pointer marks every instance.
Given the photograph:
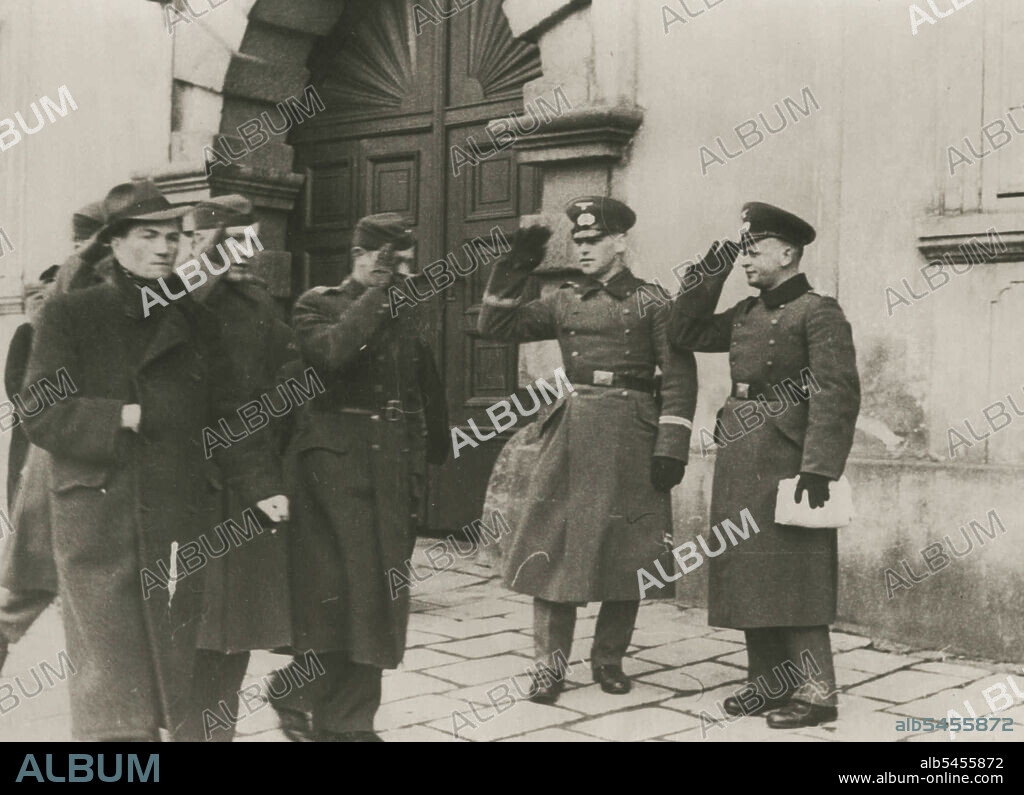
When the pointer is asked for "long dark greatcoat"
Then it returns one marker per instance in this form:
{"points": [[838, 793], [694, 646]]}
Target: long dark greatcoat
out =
{"points": [[356, 470], [590, 516], [245, 593], [781, 575], [121, 500]]}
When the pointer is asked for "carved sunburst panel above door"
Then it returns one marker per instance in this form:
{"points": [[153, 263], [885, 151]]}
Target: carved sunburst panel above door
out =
{"points": [[487, 62], [373, 63]]}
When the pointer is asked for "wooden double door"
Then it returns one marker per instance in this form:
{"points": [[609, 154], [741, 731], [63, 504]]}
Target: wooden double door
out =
{"points": [[401, 92]]}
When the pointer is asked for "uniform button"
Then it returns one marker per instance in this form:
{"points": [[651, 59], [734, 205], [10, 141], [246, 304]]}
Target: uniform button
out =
{"points": [[575, 353], [625, 311], [775, 321], [103, 491], [572, 333], [375, 447], [771, 342], [628, 330], [627, 351], [781, 305], [625, 393], [769, 362], [375, 417]]}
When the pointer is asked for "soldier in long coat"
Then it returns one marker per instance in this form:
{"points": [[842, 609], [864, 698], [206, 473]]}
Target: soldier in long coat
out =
{"points": [[129, 475], [597, 507], [245, 588], [792, 411], [356, 469]]}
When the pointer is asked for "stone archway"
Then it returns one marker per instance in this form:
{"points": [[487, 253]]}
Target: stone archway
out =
{"points": [[239, 59]]}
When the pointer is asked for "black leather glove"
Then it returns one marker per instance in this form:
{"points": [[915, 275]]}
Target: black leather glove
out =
{"points": [[816, 487], [720, 256], [666, 472], [529, 246]]}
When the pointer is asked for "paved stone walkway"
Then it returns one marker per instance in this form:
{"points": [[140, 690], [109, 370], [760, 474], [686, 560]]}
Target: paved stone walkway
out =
{"points": [[470, 644]]}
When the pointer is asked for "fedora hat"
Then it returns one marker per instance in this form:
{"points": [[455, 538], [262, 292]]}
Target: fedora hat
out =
{"points": [[131, 202]]}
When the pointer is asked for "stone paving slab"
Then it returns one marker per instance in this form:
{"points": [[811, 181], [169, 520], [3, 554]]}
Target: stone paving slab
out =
{"points": [[521, 718], [639, 724], [903, 686], [876, 662]]}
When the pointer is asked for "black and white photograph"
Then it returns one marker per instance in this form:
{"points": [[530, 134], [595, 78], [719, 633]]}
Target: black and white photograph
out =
{"points": [[426, 371]]}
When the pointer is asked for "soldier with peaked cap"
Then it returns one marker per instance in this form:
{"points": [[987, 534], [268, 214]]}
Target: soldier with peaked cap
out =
{"points": [[793, 366], [356, 470], [597, 506], [28, 574], [128, 477], [245, 590]]}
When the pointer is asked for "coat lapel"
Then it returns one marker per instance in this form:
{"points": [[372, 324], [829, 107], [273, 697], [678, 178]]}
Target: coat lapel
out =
{"points": [[172, 330]]}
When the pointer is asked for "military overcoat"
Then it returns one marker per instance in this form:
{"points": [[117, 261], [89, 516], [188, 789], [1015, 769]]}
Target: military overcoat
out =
{"points": [[590, 518], [245, 589], [356, 470], [795, 400]]}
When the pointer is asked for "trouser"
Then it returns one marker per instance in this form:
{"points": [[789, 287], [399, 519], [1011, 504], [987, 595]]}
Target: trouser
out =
{"points": [[795, 663], [19, 609], [344, 698], [554, 623], [216, 684]]}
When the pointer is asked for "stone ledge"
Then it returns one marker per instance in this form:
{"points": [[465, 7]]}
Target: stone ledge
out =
{"points": [[594, 134], [941, 237]]}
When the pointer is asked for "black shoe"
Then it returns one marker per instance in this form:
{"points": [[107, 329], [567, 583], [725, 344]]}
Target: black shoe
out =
{"points": [[612, 680], [546, 691], [733, 706], [3, 652], [348, 737], [799, 713], [294, 725]]}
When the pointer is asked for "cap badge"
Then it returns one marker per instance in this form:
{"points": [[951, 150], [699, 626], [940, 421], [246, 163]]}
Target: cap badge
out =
{"points": [[586, 220], [745, 228], [584, 205]]}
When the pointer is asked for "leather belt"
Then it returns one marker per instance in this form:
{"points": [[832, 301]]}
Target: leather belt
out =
{"points": [[392, 412], [744, 391], [615, 380]]}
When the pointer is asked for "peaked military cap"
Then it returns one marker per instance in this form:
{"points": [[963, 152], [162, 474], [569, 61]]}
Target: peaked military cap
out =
{"points": [[762, 220], [226, 211], [375, 231], [87, 221], [596, 216]]}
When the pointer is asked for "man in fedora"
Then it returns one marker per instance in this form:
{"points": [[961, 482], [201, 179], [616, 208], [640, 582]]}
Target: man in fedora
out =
{"points": [[129, 475], [779, 586]]}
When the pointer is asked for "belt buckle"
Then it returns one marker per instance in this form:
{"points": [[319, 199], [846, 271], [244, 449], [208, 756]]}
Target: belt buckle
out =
{"points": [[604, 378], [742, 391], [393, 411]]}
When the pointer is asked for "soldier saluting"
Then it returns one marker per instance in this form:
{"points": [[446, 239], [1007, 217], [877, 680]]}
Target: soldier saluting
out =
{"points": [[597, 505], [780, 584]]}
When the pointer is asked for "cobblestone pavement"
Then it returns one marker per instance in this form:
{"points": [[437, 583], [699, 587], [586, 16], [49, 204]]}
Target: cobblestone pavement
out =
{"points": [[470, 644]]}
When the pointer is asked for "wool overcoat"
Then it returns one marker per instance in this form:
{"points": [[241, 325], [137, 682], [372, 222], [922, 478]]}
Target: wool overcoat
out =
{"points": [[794, 407], [590, 517], [356, 469], [124, 503]]}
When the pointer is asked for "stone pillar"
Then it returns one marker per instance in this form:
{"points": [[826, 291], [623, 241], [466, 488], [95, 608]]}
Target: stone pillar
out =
{"points": [[588, 53]]}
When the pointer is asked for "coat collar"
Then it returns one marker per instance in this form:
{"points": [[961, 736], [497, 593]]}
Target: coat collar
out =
{"points": [[789, 290], [620, 286]]}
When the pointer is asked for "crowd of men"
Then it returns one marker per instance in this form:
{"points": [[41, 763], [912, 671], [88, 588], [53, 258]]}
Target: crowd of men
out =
{"points": [[111, 483]]}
